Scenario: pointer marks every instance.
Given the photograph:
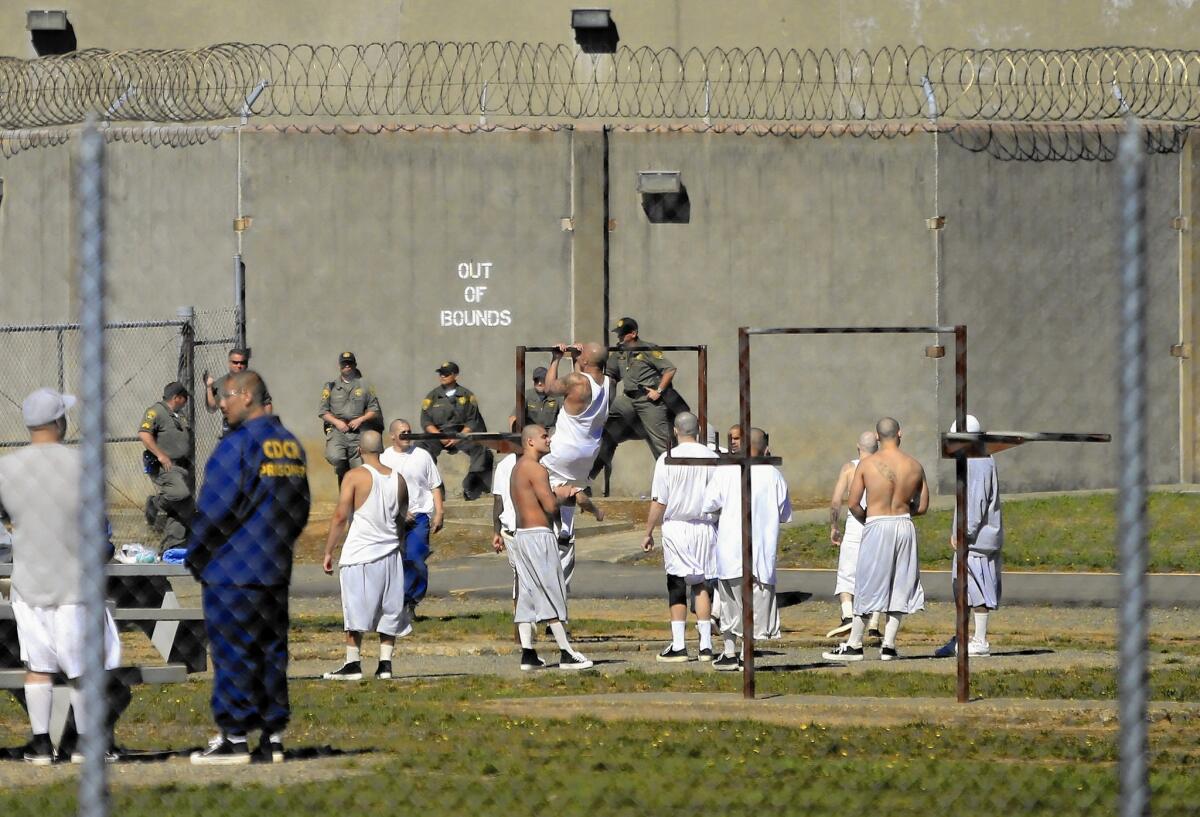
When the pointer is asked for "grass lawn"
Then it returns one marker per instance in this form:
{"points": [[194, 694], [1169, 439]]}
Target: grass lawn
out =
{"points": [[426, 747], [1072, 533]]}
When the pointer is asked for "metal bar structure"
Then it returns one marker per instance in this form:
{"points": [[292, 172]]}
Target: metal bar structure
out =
{"points": [[701, 351], [74, 327], [962, 611], [1132, 666], [187, 374], [93, 781]]}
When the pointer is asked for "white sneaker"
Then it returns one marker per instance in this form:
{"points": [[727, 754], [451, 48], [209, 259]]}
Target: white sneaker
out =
{"points": [[980, 648]]}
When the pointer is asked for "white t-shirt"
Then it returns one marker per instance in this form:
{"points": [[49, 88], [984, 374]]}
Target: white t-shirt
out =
{"points": [[501, 487], [373, 533], [420, 475], [39, 490], [769, 505], [681, 487]]}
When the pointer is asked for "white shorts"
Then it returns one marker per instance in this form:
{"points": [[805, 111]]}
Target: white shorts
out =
{"points": [[52, 637], [569, 467], [689, 548], [888, 575], [766, 610], [983, 579], [373, 596], [848, 557]]}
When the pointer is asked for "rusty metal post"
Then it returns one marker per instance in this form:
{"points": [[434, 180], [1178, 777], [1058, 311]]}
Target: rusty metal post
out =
{"points": [[747, 532], [961, 611], [702, 388], [519, 412]]}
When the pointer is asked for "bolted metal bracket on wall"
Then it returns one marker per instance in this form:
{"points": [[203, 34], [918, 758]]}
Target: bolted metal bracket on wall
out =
{"points": [[241, 225], [935, 351], [567, 225], [1181, 350], [935, 223], [1180, 223]]}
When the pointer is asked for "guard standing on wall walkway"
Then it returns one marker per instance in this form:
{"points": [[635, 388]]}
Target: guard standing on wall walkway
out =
{"points": [[644, 406], [540, 408], [452, 408], [165, 433], [348, 407]]}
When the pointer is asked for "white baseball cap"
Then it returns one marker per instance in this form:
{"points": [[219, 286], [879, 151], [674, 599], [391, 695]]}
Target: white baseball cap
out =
{"points": [[44, 406]]}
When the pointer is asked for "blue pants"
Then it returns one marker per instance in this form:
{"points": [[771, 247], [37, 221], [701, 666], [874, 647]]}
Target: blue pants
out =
{"points": [[416, 551], [248, 636]]}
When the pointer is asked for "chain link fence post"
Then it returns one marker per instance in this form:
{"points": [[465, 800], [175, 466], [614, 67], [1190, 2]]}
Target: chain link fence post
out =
{"points": [[89, 195], [1132, 673]]}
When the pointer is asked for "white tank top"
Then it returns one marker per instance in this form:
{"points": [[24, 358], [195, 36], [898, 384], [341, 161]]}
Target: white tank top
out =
{"points": [[373, 530], [580, 433], [851, 522]]}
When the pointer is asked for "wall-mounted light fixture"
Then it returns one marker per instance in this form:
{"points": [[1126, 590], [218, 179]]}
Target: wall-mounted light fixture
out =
{"points": [[595, 30], [51, 31], [659, 181]]}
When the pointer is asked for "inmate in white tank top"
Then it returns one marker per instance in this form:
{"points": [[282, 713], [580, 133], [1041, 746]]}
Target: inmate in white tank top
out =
{"points": [[578, 435], [373, 531]]}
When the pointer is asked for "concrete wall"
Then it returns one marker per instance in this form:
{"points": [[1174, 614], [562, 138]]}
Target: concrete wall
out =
{"points": [[357, 243], [119, 24]]}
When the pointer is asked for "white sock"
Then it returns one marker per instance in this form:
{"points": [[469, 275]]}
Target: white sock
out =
{"points": [[77, 704], [353, 655], [567, 514], [704, 628], [38, 698], [385, 651], [981, 627], [848, 608], [525, 631], [874, 622], [560, 636], [856, 632], [678, 629], [891, 628], [235, 738], [730, 646]]}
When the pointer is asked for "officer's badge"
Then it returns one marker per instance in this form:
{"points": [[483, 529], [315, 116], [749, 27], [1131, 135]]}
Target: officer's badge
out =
{"points": [[146, 426], [657, 354], [151, 414], [426, 403], [474, 399], [462, 401], [358, 392], [550, 404], [325, 394], [639, 356]]}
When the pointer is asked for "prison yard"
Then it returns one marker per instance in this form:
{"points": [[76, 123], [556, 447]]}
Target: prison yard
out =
{"points": [[460, 727]]}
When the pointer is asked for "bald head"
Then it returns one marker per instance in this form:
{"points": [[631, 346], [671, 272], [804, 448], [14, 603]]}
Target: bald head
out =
{"points": [[758, 442], [250, 383], [888, 430], [371, 442], [687, 425], [868, 443], [594, 354]]}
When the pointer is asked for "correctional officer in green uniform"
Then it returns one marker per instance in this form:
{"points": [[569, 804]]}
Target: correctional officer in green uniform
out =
{"points": [[165, 433], [638, 409], [348, 407], [454, 408], [540, 408]]}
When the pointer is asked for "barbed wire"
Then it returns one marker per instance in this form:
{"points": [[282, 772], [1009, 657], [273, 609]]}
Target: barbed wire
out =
{"points": [[538, 80]]}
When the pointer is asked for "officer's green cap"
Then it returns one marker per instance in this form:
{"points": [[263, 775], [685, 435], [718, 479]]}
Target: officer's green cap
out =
{"points": [[448, 367], [625, 325], [347, 358]]}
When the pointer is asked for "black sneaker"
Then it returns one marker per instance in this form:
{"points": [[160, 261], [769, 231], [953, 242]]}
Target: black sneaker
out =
{"points": [[222, 751], [350, 671], [726, 663], [270, 749], [888, 654], [530, 660], [673, 656], [843, 628], [844, 652], [383, 671], [39, 750], [704, 654], [572, 660], [875, 634]]}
